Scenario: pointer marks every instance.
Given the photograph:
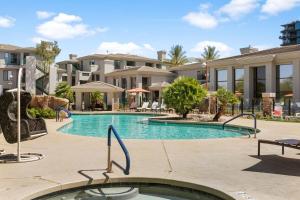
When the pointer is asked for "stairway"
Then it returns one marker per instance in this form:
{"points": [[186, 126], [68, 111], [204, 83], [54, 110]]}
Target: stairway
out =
{"points": [[42, 79]]}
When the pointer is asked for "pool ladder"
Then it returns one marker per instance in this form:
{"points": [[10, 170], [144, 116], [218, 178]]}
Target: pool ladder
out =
{"points": [[110, 162], [241, 115]]}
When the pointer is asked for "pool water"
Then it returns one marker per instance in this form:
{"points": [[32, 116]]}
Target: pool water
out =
{"points": [[131, 191], [138, 127]]}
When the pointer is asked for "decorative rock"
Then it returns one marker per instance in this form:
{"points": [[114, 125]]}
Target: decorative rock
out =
{"points": [[53, 102]]}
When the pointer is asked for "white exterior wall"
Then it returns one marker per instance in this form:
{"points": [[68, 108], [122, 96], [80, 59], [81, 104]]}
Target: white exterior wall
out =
{"points": [[52, 79], [188, 73], [30, 68]]}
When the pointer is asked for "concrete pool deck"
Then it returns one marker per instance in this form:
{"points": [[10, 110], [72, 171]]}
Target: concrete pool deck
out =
{"points": [[229, 165]]}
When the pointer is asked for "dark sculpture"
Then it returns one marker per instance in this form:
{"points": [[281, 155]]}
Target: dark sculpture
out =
{"points": [[30, 128]]}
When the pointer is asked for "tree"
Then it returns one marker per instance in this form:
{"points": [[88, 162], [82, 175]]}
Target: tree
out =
{"points": [[63, 90], [96, 97], [177, 56], [47, 51], [210, 53], [224, 98], [183, 94]]}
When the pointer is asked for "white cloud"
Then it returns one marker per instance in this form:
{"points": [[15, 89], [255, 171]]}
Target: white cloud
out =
{"points": [[237, 8], [201, 19], [65, 26], [126, 48], [44, 14], [273, 7], [149, 47], [37, 40], [6, 22], [223, 48]]}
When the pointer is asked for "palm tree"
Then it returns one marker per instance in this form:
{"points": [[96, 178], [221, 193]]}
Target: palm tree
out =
{"points": [[96, 97], [63, 90], [177, 56], [210, 53]]}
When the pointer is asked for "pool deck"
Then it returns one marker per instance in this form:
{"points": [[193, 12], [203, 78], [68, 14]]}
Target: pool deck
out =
{"points": [[229, 165]]}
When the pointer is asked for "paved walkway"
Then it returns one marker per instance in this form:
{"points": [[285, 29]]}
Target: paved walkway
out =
{"points": [[229, 165]]}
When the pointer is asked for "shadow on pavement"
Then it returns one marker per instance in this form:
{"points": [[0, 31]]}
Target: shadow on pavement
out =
{"points": [[275, 164]]}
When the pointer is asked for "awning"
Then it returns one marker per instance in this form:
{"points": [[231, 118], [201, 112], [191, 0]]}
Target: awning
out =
{"points": [[97, 86], [159, 86]]}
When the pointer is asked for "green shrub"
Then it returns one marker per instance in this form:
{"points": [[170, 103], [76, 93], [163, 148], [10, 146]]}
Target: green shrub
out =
{"points": [[183, 94], [46, 113]]}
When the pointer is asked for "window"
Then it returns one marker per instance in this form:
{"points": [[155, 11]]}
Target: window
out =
{"points": [[115, 82], [85, 74], [64, 78], [259, 81], [130, 63], [81, 64], [92, 62], [239, 80], [97, 77], [145, 82], [158, 66], [124, 83], [7, 75], [24, 57], [221, 79], [149, 64], [284, 80], [132, 82], [117, 64], [201, 76], [73, 80], [12, 59]]}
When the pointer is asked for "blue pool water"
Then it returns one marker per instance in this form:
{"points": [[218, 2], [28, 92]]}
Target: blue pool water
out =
{"points": [[137, 127]]}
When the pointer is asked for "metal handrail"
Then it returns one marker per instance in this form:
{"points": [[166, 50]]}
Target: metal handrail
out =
{"points": [[240, 115], [126, 153]]}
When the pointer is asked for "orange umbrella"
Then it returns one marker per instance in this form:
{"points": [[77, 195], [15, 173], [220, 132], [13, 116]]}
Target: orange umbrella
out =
{"points": [[137, 90]]}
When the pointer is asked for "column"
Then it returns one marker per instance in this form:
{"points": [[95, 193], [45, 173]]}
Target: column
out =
{"points": [[69, 73], [212, 77], [21, 58], [110, 100], [230, 84], [52, 78], [78, 100], [30, 67], [296, 80], [248, 83], [139, 84], [270, 78]]}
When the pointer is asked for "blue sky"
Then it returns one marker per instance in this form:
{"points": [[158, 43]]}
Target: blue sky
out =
{"points": [[143, 27]]}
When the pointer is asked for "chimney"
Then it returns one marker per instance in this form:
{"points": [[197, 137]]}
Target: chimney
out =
{"points": [[248, 49], [161, 55], [72, 56]]}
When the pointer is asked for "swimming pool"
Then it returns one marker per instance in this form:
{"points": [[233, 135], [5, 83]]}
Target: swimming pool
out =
{"points": [[132, 126]]}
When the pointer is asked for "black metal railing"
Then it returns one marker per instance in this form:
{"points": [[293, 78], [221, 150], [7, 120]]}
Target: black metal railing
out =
{"points": [[110, 162]]}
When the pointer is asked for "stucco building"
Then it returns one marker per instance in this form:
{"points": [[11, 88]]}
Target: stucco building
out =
{"points": [[254, 72], [34, 78]]}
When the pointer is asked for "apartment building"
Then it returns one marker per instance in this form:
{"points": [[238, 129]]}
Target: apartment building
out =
{"points": [[123, 70], [11, 59], [275, 70], [290, 35]]}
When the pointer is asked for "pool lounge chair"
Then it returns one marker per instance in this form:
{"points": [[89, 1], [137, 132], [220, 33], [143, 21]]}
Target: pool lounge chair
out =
{"points": [[144, 107], [278, 112], [291, 143], [154, 106], [161, 108]]}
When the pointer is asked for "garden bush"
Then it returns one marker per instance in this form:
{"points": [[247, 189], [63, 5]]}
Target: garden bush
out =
{"points": [[46, 113]]}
